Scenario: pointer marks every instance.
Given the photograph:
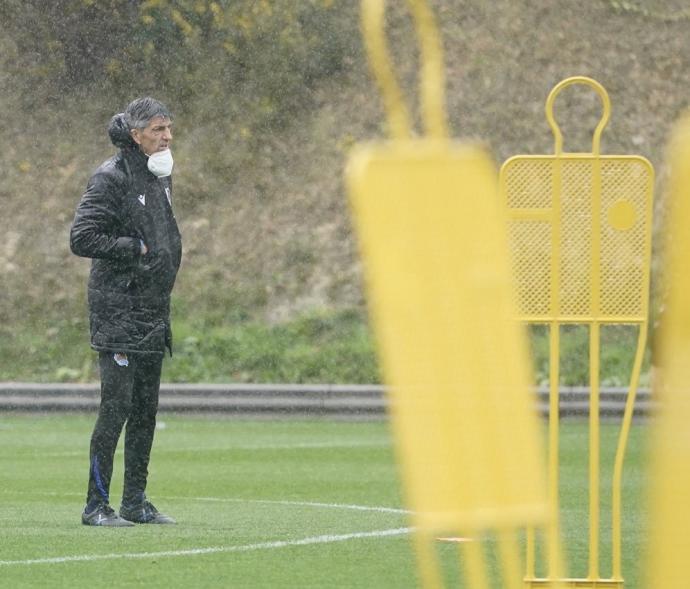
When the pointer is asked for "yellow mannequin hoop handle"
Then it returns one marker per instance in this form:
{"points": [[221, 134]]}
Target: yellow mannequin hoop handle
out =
{"points": [[432, 78], [606, 111]]}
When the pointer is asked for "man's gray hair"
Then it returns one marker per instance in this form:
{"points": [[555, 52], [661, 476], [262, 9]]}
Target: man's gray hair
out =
{"points": [[139, 112]]}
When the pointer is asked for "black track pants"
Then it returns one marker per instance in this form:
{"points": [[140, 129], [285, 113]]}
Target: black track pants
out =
{"points": [[129, 394]]}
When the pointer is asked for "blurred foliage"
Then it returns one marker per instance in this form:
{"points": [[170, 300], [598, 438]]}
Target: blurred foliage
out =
{"points": [[662, 10], [270, 52], [315, 347]]}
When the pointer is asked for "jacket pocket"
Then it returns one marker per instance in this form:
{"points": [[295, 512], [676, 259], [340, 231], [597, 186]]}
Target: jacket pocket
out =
{"points": [[156, 272]]}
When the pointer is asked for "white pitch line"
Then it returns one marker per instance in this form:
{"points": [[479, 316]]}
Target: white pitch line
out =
{"points": [[299, 503], [325, 539]]}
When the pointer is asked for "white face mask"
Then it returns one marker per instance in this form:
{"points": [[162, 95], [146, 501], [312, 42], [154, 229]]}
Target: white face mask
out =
{"points": [[161, 163]]}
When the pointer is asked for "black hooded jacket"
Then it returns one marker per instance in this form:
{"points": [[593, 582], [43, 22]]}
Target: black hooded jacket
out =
{"points": [[129, 293]]}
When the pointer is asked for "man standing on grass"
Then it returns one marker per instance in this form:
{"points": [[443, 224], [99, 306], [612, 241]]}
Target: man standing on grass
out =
{"points": [[125, 223]]}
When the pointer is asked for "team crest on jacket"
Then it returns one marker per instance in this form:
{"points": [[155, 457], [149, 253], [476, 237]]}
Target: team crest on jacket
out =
{"points": [[142, 199]]}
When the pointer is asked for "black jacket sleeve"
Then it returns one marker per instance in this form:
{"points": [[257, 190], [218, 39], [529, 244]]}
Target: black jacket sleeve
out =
{"points": [[96, 230]]}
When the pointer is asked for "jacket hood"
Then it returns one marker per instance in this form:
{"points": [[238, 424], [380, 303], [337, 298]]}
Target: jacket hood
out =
{"points": [[119, 132]]}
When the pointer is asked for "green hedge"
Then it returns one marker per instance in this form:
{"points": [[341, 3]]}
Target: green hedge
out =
{"points": [[321, 346]]}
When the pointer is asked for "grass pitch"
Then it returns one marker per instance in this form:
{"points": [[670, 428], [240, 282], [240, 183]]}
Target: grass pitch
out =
{"points": [[259, 503]]}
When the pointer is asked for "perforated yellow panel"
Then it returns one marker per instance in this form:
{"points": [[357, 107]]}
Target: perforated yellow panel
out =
{"points": [[575, 257], [626, 226]]}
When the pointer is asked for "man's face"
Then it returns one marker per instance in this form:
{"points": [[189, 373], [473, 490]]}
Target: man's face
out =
{"points": [[156, 136]]}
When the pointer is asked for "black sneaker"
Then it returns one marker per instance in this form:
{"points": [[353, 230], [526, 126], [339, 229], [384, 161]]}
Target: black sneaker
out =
{"points": [[145, 513], [104, 515]]}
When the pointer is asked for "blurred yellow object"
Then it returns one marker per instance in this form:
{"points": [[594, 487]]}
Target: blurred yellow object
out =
{"points": [[670, 442], [433, 243], [435, 252], [579, 227]]}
